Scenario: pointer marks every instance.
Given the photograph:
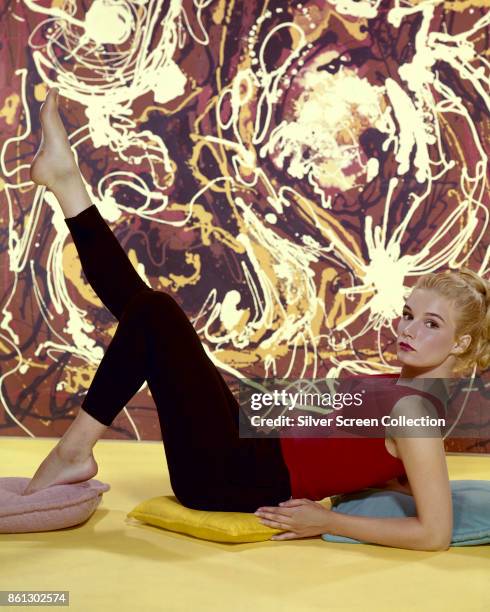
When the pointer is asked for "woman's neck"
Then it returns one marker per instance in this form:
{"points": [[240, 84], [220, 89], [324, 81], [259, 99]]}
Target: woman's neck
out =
{"points": [[438, 381], [443, 370]]}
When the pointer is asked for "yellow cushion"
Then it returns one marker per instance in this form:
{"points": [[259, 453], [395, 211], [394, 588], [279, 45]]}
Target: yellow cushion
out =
{"points": [[168, 513]]}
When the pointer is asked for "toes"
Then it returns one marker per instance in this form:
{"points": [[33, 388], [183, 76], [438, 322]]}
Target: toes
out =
{"points": [[50, 103], [53, 96]]}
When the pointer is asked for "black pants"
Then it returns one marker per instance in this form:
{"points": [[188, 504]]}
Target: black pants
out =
{"points": [[210, 466]]}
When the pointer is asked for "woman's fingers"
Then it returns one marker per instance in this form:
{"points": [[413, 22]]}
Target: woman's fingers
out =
{"points": [[275, 524], [280, 516], [294, 502], [272, 514], [289, 535]]}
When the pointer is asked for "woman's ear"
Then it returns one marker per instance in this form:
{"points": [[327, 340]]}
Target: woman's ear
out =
{"points": [[462, 344]]}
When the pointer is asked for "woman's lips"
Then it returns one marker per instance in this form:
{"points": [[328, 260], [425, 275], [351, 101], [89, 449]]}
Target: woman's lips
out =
{"points": [[405, 347]]}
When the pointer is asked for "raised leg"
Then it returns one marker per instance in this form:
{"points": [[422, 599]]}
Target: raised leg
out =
{"points": [[115, 282], [210, 466]]}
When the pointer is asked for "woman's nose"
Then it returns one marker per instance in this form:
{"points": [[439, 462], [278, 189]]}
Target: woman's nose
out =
{"points": [[410, 329]]}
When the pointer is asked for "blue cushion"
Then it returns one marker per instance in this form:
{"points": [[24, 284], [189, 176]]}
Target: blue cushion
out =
{"points": [[471, 510]]}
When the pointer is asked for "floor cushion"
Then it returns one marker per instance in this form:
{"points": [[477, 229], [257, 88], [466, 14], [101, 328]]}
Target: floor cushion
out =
{"points": [[168, 513], [471, 510], [55, 507]]}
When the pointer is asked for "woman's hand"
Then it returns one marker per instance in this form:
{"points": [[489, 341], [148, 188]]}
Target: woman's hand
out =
{"points": [[302, 518]]}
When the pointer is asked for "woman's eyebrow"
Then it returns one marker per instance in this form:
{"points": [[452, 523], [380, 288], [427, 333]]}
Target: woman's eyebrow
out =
{"points": [[433, 314]]}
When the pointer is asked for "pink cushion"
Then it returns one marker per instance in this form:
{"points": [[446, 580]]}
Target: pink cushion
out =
{"points": [[55, 507]]}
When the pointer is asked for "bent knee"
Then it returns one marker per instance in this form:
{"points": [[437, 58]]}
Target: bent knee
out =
{"points": [[149, 301], [158, 312]]}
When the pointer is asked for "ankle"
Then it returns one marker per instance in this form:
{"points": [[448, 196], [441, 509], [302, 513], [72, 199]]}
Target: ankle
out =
{"points": [[67, 180], [71, 193], [70, 453]]}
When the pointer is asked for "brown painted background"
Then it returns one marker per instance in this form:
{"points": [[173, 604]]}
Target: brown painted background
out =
{"points": [[286, 170]]}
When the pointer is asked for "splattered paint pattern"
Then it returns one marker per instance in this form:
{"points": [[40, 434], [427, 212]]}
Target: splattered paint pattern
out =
{"points": [[286, 170]]}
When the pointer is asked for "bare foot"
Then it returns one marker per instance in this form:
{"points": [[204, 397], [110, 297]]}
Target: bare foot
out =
{"points": [[54, 161], [62, 467]]}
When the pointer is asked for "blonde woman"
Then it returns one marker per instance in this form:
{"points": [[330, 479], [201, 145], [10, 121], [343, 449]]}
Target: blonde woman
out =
{"points": [[443, 332]]}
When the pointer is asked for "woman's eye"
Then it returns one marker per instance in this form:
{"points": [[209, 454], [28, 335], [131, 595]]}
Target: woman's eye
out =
{"points": [[433, 323]]}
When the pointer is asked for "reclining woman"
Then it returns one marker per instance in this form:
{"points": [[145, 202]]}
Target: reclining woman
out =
{"points": [[443, 331]]}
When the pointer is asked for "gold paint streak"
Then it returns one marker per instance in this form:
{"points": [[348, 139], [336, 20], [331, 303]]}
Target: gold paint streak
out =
{"points": [[133, 258], [278, 351], [218, 13], [337, 309], [326, 277], [236, 358], [208, 229], [205, 113], [265, 259], [337, 312], [321, 19], [451, 136], [73, 272], [242, 323], [168, 112], [40, 91], [458, 6], [193, 162], [3, 347], [225, 237], [176, 282], [246, 121], [461, 221], [354, 28], [34, 364], [329, 220], [78, 377], [9, 109], [239, 359]]}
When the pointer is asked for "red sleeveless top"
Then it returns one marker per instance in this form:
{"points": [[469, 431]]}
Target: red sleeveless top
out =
{"points": [[322, 467]]}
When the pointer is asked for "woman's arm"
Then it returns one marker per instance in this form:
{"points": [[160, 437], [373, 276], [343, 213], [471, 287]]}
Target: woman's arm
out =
{"points": [[425, 464]]}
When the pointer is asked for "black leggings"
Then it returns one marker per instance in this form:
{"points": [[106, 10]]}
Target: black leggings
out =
{"points": [[210, 466]]}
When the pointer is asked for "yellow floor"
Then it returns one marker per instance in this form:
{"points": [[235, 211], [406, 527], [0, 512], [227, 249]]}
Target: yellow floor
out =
{"points": [[111, 564]]}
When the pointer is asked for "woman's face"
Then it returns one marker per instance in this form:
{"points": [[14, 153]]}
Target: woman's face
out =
{"points": [[428, 326]]}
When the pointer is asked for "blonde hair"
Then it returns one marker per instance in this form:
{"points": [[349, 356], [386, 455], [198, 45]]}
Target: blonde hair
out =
{"points": [[470, 294]]}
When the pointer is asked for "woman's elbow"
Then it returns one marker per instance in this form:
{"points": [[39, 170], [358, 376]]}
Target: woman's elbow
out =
{"points": [[443, 545], [439, 542], [437, 536]]}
